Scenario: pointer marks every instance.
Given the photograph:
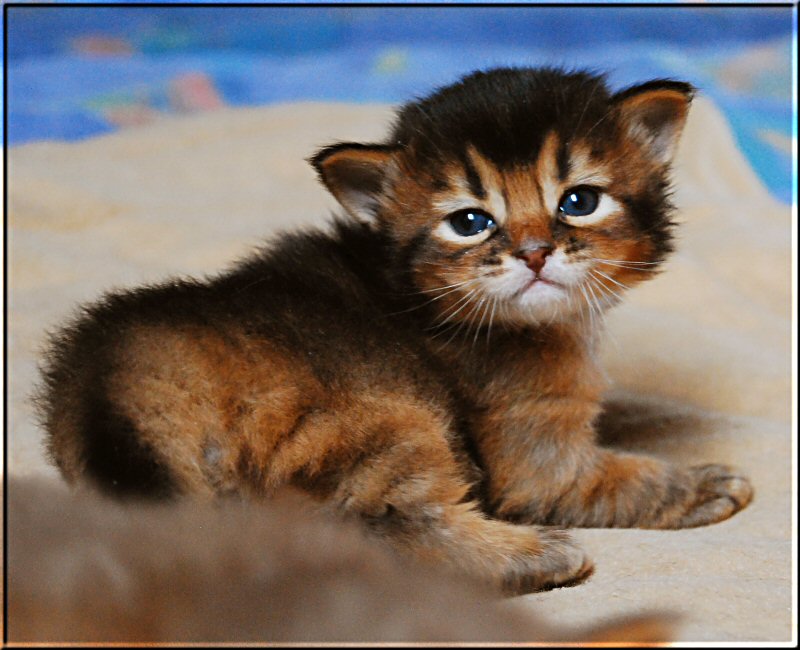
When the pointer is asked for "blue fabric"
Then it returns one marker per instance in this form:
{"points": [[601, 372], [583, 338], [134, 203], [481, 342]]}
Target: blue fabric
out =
{"points": [[74, 72]]}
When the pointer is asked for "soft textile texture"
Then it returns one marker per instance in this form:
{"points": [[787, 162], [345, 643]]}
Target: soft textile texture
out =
{"points": [[700, 356]]}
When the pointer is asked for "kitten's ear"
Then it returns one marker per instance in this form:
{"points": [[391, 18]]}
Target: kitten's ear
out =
{"points": [[354, 174], [654, 114]]}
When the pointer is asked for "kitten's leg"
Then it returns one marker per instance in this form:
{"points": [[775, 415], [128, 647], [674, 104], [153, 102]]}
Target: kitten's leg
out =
{"points": [[533, 425], [422, 515], [396, 472], [625, 490], [581, 484]]}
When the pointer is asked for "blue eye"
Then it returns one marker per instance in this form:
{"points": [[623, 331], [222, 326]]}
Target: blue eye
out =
{"points": [[471, 222], [579, 201]]}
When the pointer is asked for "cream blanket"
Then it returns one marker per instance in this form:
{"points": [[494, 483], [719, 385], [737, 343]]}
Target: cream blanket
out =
{"points": [[700, 356]]}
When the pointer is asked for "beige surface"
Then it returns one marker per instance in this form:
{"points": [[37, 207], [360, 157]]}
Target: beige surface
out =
{"points": [[700, 356]]}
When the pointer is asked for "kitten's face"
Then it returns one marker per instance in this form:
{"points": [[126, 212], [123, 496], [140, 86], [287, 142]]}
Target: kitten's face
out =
{"points": [[526, 244], [522, 197]]}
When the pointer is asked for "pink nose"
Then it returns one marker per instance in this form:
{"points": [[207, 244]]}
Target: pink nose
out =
{"points": [[534, 258]]}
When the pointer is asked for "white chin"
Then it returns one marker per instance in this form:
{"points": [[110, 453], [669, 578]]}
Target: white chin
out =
{"points": [[541, 293], [541, 302]]}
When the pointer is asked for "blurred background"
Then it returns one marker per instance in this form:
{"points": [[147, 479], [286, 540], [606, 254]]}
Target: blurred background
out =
{"points": [[77, 72]]}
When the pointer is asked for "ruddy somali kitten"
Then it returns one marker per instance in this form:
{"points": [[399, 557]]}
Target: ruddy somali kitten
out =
{"points": [[426, 365]]}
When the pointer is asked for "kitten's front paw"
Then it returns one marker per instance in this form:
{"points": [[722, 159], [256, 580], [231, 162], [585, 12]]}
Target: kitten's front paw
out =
{"points": [[720, 492], [560, 563]]}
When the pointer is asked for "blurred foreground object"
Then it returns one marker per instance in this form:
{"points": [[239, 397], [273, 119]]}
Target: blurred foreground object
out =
{"points": [[83, 568]]}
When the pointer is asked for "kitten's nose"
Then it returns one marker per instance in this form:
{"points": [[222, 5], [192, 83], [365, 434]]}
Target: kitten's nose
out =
{"points": [[534, 257]]}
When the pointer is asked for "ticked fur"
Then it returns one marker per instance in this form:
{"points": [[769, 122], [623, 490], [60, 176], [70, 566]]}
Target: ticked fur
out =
{"points": [[435, 382]]}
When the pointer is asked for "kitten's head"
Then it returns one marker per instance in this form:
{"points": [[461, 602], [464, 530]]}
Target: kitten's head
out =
{"points": [[521, 195]]}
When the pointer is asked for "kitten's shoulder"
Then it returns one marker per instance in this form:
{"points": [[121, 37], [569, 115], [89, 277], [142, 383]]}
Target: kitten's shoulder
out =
{"points": [[342, 254]]}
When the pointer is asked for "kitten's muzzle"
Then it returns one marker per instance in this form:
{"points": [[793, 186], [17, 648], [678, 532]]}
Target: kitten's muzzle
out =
{"points": [[534, 258]]}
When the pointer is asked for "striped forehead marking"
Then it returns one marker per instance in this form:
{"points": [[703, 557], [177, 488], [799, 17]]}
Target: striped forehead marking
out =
{"points": [[481, 188], [523, 193]]}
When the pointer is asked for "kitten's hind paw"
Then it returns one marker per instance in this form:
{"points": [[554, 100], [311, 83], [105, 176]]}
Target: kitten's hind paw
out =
{"points": [[720, 493], [561, 563]]}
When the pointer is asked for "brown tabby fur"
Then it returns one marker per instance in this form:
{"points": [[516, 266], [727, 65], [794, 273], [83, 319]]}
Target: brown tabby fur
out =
{"points": [[87, 569], [396, 371]]}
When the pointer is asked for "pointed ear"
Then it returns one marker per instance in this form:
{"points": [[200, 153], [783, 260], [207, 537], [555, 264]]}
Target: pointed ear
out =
{"points": [[354, 174], [654, 113]]}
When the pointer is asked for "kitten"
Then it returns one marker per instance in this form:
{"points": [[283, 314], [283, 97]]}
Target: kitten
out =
{"points": [[427, 365], [88, 569]]}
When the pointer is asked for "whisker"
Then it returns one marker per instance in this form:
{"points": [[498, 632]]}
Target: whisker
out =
{"points": [[491, 320], [629, 267], [457, 325], [446, 293], [589, 305], [251, 284], [451, 316], [608, 334], [448, 317], [448, 286], [427, 302], [470, 319], [483, 315], [605, 116], [582, 312], [603, 259], [583, 112], [604, 286], [463, 322], [598, 308], [622, 285], [595, 299]]}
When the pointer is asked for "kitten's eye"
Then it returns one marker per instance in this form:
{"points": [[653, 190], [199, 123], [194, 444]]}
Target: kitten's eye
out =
{"points": [[579, 202], [471, 222]]}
